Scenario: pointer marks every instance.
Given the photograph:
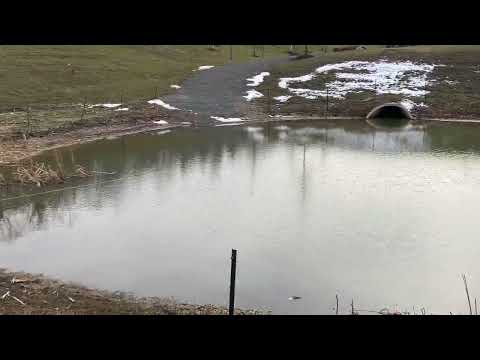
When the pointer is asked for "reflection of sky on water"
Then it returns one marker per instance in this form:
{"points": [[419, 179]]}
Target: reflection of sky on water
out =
{"points": [[313, 209]]}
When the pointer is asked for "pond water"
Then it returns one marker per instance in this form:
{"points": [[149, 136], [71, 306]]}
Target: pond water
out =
{"points": [[385, 216]]}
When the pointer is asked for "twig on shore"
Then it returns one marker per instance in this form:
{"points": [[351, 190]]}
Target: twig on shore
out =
{"points": [[18, 281], [468, 296], [5, 295], [17, 299]]}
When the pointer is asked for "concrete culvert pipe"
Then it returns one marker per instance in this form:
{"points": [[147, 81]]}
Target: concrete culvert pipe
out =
{"points": [[390, 110]]}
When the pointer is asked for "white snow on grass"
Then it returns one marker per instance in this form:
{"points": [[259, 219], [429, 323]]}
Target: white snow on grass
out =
{"points": [[282, 98], [161, 122], [409, 104], [105, 105], [383, 77], [205, 67], [257, 79], [161, 103], [163, 132], [175, 86], [285, 81], [229, 124], [253, 94], [226, 120], [282, 128], [122, 109]]}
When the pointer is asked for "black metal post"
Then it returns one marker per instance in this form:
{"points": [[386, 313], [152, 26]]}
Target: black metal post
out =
{"points": [[232, 282]]}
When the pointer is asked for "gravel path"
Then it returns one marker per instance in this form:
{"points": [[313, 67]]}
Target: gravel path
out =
{"points": [[219, 91]]}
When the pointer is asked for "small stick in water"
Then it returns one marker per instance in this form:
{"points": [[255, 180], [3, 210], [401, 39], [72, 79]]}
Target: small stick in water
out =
{"points": [[468, 296]]}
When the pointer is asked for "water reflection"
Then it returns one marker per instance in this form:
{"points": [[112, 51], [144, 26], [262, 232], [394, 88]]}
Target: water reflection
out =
{"points": [[116, 161], [314, 207]]}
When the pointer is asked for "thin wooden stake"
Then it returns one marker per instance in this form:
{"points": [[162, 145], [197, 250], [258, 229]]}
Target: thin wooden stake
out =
{"points": [[326, 112], [269, 101], [83, 110], [336, 309], [353, 309], [468, 296]]}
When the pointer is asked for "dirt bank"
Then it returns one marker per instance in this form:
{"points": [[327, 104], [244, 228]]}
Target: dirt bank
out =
{"points": [[15, 148], [27, 294]]}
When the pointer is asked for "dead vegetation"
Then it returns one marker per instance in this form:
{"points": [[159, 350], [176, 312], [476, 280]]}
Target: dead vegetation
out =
{"points": [[42, 174]]}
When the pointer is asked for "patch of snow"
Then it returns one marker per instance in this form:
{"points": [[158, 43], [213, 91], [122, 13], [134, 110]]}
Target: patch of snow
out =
{"points": [[161, 103], [229, 124], [175, 86], [257, 79], [105, 105], [161, 122], [282, 128], [285, 81], [253, 94], [188, 123], [222, 119], [409, 104], [383, 77], [451, 82], [122, 109], [205, 67], [282, 98], [163, 132]]}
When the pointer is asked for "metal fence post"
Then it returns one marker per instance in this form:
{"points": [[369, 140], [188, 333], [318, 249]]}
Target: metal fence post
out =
{"points": [[232, 282]]}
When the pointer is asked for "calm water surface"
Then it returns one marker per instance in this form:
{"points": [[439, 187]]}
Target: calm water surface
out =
{"points": [[388, 217]]}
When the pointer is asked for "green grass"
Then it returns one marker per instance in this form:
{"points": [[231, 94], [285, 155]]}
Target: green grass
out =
{"points": [[34, 75]]}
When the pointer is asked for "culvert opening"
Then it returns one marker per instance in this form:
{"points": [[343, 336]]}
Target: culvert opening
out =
{"points": [[390, 111]]}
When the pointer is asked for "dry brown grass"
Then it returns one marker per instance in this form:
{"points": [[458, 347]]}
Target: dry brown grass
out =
{"points": [[38, 174], [41, 174]]}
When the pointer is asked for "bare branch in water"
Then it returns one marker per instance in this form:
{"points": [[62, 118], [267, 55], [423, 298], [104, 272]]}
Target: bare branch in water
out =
{"points": [[468, 296]]}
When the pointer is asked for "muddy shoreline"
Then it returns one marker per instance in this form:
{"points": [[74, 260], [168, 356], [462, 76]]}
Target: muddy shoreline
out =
{"points": [[28, 294]]}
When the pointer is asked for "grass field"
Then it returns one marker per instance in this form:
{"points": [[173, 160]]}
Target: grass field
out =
{"points": [[450, 100], [55, 80], [35, 75]]}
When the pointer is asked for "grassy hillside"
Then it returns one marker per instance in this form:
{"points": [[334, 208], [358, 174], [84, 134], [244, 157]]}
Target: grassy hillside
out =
{"points": [[69, 74], [456, 92]]}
